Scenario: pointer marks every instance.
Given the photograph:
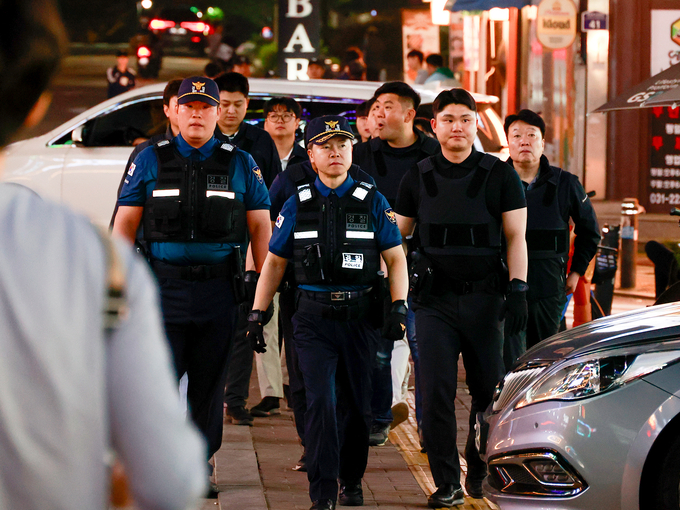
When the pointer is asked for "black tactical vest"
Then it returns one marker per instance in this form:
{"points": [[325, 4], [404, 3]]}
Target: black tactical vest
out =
{"points": [[453, 216], [193, 201], [547, 232], [334, 240]]}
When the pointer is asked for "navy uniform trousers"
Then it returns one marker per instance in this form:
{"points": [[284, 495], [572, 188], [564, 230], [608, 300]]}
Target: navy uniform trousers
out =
{"points": [[200, 318], [449, 325], [335, 359]]}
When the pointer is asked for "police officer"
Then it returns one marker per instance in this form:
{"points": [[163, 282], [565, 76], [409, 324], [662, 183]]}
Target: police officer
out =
{"points": [[120, 77], [387, 158], [553, 197], [197, 197], [335, 231], [285, 186], [462, 200]]}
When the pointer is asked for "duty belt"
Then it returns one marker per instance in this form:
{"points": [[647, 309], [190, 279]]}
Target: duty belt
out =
{"points": [[199, 272], [445, 284], [353, 309], [331, 297]]}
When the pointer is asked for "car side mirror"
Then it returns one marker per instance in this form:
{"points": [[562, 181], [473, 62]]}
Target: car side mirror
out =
{"points": [[77, 135]]}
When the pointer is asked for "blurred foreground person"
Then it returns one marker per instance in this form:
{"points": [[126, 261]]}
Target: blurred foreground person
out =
{"points": [[85, 367]]}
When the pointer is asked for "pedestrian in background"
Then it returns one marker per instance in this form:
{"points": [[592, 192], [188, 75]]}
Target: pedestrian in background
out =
{"points": [[461, 295], [120, 77], [85, 368], [337, 273], [554, 197], [437, 71], [363, 126], [415, 71], [316, 69]]}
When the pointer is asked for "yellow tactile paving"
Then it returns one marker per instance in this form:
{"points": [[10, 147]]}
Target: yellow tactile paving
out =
{"points": [[405, 437]]}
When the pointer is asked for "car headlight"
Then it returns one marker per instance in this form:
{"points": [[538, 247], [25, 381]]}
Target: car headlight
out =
{"points": [[587, 377]]}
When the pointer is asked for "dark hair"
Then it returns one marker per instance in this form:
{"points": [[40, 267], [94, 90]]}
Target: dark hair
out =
{"points": [[453, 96], [415, 53], [33, 42], [170, 91], [288, 103], [530, 117], [435, 60], [401, 89], [233, 82], [365, 107], [316, 62], [425, 126], [353, 53], [212, 69], [356, 70]]}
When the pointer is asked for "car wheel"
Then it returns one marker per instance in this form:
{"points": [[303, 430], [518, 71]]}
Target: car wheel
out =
{"points": [[667, 491]]}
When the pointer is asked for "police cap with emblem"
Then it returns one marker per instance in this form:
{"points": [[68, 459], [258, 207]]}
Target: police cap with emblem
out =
{"points": [[198, 88], [322, 128]]}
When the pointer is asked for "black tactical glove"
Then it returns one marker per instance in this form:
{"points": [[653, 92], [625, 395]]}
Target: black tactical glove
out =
{"points": [[250, 280], [395, 322], [255, 331], [516, 310]]}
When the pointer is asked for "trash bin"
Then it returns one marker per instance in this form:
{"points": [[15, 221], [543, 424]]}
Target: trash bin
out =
{"points": [[630, 209], [606, 264]]}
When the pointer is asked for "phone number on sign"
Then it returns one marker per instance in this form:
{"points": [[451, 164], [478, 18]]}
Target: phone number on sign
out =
{"points": [[664, 198]]}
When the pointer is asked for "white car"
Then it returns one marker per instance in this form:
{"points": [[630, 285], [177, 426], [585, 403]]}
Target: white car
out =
{"points": [[80, 163]]}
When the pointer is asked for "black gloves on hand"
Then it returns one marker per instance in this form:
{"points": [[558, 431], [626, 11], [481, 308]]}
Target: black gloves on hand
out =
{"points": [[516, 310], [255, 331], [395, 322]]}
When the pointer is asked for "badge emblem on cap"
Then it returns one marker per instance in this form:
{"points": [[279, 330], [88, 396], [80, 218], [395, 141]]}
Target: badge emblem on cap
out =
{"points": [[332, 125], [198, 86]]}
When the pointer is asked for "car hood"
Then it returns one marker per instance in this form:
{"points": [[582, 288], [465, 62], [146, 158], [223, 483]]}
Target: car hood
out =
{"points": [[647, 325]]}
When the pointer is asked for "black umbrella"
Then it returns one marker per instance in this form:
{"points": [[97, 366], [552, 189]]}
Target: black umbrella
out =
{"points": [[648, 93]]}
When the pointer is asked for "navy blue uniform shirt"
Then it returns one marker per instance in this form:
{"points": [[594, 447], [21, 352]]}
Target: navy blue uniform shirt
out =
{"points": [[246, 182], [387, 233]]}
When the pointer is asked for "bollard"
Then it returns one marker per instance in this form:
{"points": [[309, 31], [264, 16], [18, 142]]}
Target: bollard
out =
{"points": [[630, 208]]}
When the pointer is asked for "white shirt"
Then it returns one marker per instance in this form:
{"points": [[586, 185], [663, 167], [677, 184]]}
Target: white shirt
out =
{"points": [[67, 394], [284, 161]]}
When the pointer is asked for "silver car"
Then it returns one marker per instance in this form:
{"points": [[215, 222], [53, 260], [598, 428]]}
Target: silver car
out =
{"points": [[590, 419]]}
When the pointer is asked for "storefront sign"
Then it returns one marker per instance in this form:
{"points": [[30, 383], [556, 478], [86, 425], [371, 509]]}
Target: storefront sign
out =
{"points": [[665, 39], [556, 23], [299, 36], [418, 33], [593, 20]]}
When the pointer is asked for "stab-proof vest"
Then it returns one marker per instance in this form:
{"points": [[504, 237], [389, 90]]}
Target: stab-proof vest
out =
{"points": [[547, 232], [334, 240], [193, 201], [453, 216]]}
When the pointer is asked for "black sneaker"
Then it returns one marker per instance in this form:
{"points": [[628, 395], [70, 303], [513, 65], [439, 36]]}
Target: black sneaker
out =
{"points": [[351, 494], [323, 504], [446, 496], [239, 415], [213, 491], [473, 482], [268, 406], [379, 433]]}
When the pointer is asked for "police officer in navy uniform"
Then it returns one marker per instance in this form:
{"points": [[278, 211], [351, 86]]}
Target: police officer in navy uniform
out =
{"points": [[197, 197], [335, 231], [554, 196], [285, 186], [463, 202]]}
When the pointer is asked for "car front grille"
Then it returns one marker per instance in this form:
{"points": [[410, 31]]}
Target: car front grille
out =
{"points": [[514, 382]]}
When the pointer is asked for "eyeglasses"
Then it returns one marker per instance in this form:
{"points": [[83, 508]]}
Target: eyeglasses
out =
{"points": [[285, 117]]}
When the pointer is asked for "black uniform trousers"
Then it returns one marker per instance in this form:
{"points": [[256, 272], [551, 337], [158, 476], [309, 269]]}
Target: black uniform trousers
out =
{"points": [[199, 321], [335, 358], [295, 382], [240, 363], [449, 325]]}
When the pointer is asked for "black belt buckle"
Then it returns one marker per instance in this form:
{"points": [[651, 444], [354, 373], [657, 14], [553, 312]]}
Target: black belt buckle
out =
{"points": [[197, 273], [338, 296]]}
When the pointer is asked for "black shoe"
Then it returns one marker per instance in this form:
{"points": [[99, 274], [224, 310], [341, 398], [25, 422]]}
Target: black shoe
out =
{"points": [[379, 433], [213, 491], [239, 415], [323, 504], [446, 496], [268, 406], [301, 464], [351, 494], [286, 395], [474, 488]]}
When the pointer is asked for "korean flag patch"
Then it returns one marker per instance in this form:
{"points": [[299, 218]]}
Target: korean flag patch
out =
{"points": [[391, 215], [279, 221], [258, 174], [131, 171]]}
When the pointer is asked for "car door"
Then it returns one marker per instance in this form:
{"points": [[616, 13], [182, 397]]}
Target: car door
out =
{"points": [[94, 165]]}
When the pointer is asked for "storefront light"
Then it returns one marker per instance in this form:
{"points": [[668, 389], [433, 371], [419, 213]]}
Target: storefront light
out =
{"points": [[531, 11], [498, 14], [440, 16]]}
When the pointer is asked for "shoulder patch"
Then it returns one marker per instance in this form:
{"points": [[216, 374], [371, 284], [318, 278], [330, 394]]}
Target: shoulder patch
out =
{"points": [[131, 170], [391, 215], [279, 221], [258, 174], [227, 147], [162, 143]]}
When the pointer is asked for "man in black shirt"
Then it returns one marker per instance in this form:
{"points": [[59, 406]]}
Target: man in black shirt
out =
{"points": [[387, 158], [462, 200], [553, 197]]}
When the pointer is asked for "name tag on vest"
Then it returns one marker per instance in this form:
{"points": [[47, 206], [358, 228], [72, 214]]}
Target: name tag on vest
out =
{"points": [[352, 234], [165, 193], [310, 234], [352, 261]]}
